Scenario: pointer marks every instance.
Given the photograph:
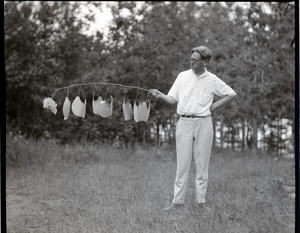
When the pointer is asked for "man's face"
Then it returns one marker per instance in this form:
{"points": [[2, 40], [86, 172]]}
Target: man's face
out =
{"points": [[196, 63]]}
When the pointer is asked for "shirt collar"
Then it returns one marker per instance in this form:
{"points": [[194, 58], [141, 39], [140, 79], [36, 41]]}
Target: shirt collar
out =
{"points": [[202, 75]]}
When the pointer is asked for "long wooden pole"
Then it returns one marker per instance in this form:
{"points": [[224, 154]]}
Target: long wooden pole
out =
{"points": [[99, 83]]}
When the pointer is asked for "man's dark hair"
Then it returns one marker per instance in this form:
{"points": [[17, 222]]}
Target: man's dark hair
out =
{"points": [[204, 52]]}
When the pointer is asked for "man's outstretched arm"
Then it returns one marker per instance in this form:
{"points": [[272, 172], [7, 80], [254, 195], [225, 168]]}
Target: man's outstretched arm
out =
{"points": [[159, 95]]}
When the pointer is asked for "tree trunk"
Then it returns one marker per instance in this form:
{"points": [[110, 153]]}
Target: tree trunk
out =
{"points": [[144, 138], [279, 136], [243, 135], [157, 135], [254, 136], [263, 136], [214, 133], [165, 135], [293, 132], [232, 137], [221, 130]]}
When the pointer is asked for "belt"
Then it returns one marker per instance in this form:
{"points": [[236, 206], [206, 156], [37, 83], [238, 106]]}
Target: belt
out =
{"points": [[193, 116]]}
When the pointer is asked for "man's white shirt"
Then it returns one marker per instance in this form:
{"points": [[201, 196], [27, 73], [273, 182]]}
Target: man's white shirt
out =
{"points": [[194, 95]]}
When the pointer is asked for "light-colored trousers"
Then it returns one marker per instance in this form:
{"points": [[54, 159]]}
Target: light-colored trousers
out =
{"points": [[193, 136]]}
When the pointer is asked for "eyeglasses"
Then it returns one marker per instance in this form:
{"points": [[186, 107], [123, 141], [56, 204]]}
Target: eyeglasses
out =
{"points": [[195, 60]]}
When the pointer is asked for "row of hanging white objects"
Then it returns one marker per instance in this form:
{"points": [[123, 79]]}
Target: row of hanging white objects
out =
{"points": [[140, 112], [104, 109]]}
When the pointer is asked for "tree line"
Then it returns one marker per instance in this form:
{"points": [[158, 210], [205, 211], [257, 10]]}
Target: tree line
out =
{"points": [[253, 52]]}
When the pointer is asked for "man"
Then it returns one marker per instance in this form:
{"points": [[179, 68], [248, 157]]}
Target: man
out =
{"points": [[193, 91]]}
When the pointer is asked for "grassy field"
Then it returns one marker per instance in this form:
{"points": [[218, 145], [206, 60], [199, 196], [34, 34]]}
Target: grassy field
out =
{"points": [[88, 188]]}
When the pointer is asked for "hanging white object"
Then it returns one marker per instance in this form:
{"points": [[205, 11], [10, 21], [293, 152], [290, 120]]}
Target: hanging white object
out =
{"points": [[143, 111], [127, 109], [105, 108], [96, 104], [49, 103], [78, 107], [66, 108]]}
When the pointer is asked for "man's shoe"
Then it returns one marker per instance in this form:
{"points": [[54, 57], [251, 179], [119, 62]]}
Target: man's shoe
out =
{"points": [[173, 207], [203, 206]]}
